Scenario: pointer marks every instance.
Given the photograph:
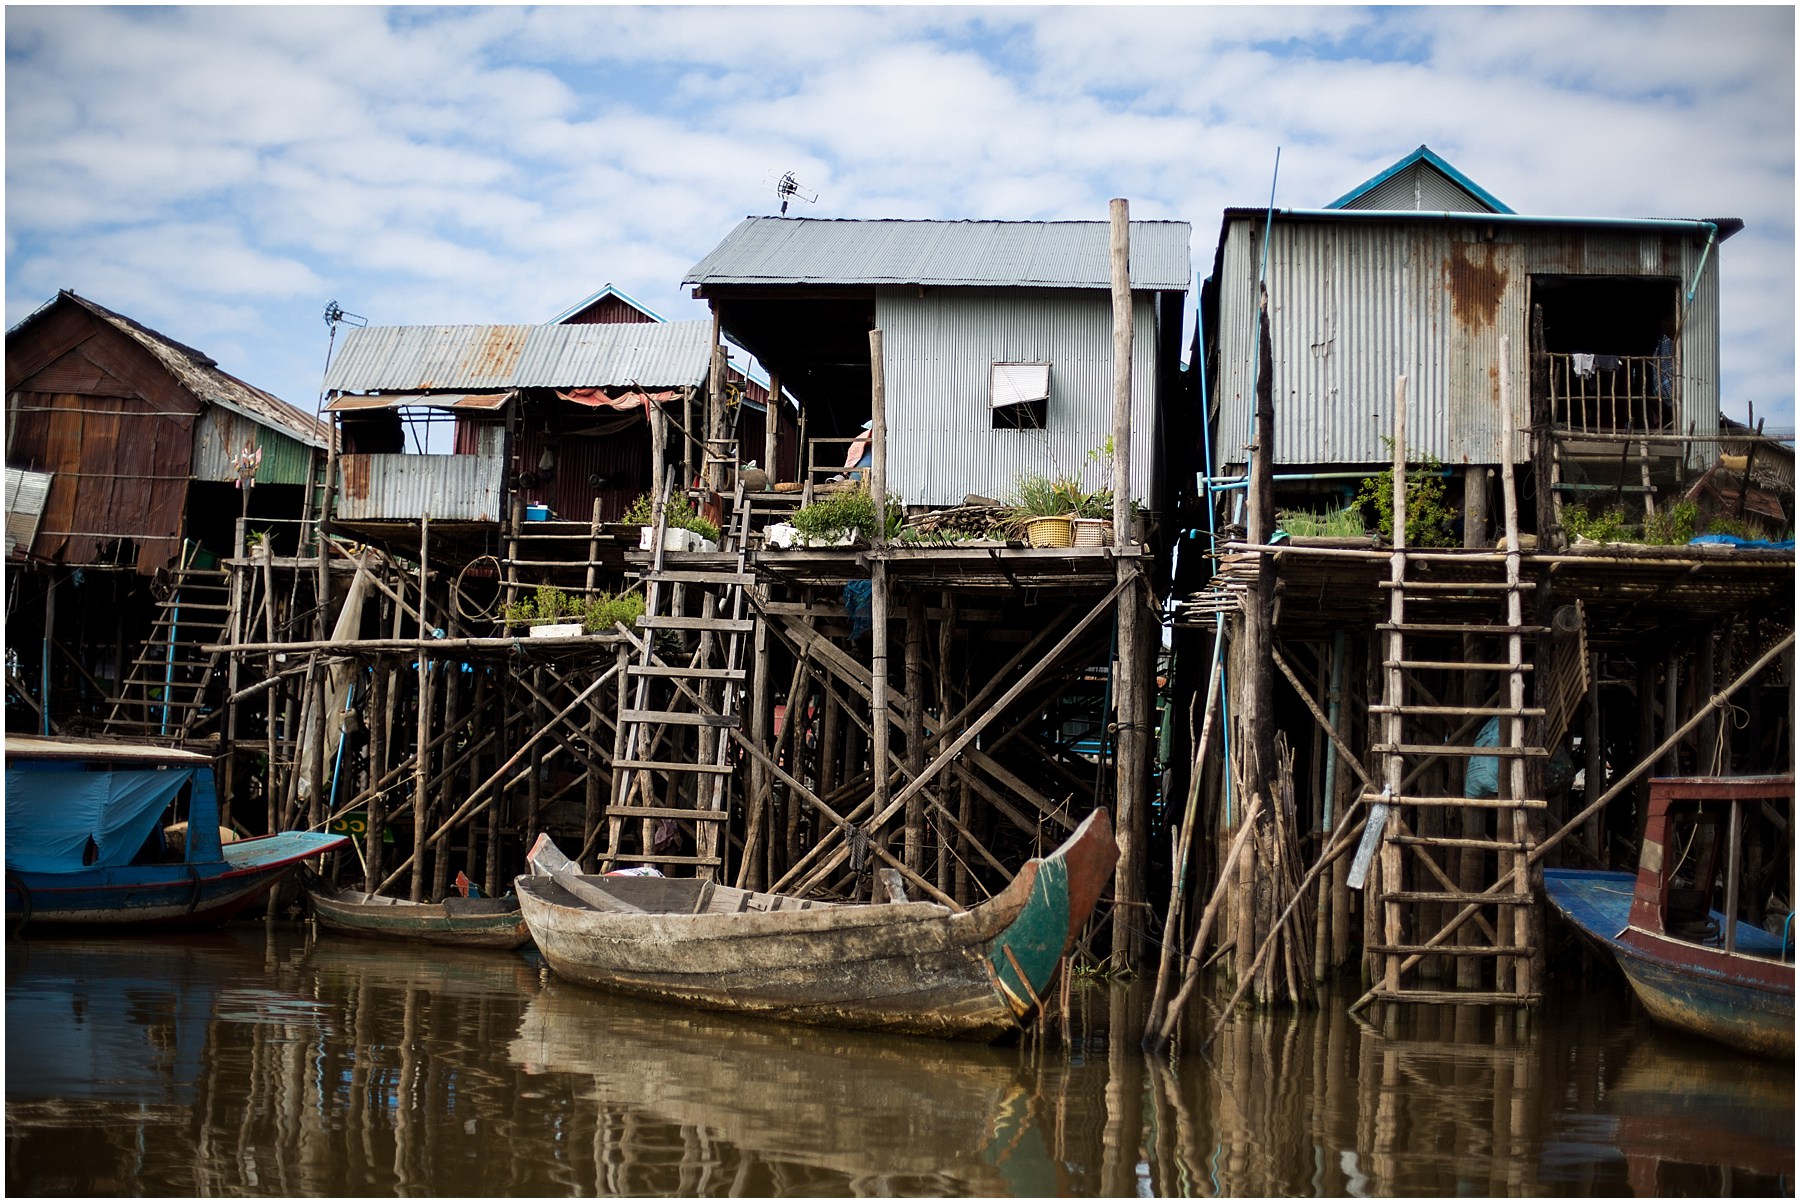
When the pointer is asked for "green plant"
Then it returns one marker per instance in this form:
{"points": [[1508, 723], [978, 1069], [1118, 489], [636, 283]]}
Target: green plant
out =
{"points": [[1342, 523], [548, 604], [835, 513], [1673, 526], [1607, 526], [1430, 522], [605, 610], [1747, 527], [679, 514]]}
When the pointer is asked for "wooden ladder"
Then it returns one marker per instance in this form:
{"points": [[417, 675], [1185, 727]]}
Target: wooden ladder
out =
{"points": [[662, 702], [168, 689], [1450, 864]]}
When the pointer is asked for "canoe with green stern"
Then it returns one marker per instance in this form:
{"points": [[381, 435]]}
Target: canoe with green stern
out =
{"points": [[916, 968]]}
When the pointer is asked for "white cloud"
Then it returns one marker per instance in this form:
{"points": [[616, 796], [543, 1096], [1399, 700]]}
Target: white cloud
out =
{"points": [[242, 164]]}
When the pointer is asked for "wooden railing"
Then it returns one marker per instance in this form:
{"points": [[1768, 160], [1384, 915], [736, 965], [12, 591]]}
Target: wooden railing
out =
{"points": [[1608, 394]]}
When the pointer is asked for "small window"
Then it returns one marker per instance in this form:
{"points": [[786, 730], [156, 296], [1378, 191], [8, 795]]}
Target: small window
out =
{"points": [[1019, 395]]}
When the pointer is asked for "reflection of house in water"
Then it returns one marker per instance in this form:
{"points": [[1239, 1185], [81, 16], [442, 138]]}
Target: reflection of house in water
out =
{"points": [[1560, 380]]}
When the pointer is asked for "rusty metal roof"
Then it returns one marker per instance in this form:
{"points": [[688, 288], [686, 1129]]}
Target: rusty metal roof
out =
{"points": [[467, 358], [200, 374]]}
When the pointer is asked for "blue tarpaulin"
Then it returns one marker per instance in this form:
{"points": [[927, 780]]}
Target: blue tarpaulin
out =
{"points": [[52, 812]]}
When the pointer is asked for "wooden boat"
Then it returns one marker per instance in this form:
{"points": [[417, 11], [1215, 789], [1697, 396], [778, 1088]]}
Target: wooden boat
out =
{"points": [[90, 838], [472, 922], [909, 967], [1673, 926]]}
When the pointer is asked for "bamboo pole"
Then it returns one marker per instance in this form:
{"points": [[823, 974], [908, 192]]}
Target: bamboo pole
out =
{"points": [[422, 759], [1172, 918]]}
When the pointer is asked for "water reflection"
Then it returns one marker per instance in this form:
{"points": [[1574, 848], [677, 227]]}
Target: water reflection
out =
{"points": [[259, 1061]]}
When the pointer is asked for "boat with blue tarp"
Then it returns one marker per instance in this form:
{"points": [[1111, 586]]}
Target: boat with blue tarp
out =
{"points": [[104, 833]]}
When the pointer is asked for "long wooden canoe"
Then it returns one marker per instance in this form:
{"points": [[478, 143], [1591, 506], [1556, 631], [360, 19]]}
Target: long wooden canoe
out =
{"points": [[911, 967], [472, 922]]}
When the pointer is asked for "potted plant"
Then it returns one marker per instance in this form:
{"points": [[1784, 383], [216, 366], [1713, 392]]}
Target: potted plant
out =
{"points": [[1044, 508], [839, 519], [683, 527], [550, 613]]}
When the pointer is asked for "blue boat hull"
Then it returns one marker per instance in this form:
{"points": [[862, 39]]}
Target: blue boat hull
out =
{"points": [[183, 894], [1743, 998]]}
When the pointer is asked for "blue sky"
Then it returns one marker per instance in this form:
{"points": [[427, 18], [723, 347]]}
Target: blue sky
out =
{"points": [[220, 173]]}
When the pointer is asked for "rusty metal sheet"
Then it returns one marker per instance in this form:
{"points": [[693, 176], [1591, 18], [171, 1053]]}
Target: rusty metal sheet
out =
{"points": [[404, 486], [468, 401]]}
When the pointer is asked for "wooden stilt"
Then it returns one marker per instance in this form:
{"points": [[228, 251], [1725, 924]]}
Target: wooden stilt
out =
{"points": [[422, 757]]}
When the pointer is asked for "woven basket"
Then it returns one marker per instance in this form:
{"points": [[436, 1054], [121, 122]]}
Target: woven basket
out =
{"points": [[1093, 532], [1049, 532]]}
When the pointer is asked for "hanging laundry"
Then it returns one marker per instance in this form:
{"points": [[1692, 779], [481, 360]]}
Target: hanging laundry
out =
{"points": [[1583, 364], [1606, 363]]}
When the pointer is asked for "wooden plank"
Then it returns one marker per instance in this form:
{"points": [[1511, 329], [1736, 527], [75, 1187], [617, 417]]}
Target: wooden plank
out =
{"points": [[1459, 711], [1455, 750], [1458, 666], [672, 766], [669, 672], [1461, 998], [688, 576], [678, 622], [1454, 950], [669, 812], [1525, 899], [1453, 800], [1460, 628], [678, 718]]}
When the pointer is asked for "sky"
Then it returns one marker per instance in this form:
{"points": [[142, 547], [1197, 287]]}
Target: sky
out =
{"points": [[221, 173]]}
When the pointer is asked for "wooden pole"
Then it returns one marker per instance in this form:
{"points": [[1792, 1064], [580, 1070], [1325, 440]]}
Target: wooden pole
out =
{"points": [[915, 726], [1133, 694], [771, 426], [878, 577], [422, 760]]}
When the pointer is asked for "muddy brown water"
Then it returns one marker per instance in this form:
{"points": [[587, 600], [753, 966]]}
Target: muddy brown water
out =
{"points": [[265, 1060]]}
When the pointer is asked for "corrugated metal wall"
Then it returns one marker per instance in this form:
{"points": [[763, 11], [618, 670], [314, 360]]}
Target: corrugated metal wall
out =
{"points": [[456, 487], [1356, 304], [939, 348], [221, 433]]}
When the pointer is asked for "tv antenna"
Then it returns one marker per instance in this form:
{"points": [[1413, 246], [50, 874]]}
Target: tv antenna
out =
{"points": [[788, 188], [335, 313]]}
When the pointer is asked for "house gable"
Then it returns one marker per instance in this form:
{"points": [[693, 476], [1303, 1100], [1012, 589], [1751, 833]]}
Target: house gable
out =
{"points": [[1422, 181]]}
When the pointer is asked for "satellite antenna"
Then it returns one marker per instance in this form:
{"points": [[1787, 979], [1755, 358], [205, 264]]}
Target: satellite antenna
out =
{"points": [[787, 188]]}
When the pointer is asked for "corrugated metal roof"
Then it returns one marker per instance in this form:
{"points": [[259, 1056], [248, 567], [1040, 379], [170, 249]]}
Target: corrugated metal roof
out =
{"points": [[420, 358], [1045, 254], [199, 374], [26, 493]]}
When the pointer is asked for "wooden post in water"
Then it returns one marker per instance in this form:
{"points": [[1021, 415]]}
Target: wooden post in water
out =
{"points": [[915, 727], [878, 582], [1131, 702], [421, 765]]}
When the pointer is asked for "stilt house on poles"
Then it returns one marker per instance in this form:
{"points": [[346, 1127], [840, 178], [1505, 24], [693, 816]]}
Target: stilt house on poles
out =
{"points": [[954, 701], [1521, 406], [134, 466]]}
